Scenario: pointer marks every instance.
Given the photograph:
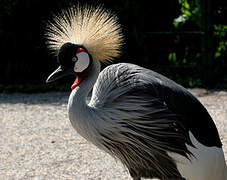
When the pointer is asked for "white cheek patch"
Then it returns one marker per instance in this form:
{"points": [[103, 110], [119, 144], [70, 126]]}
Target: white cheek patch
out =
{"points": [[82, 63]]}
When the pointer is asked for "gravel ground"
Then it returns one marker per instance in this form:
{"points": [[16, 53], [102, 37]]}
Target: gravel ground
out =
{"points": [[38, 142]]}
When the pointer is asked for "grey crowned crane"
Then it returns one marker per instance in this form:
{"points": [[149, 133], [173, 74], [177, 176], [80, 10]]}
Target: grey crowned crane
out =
{"points": [[154, 126]]}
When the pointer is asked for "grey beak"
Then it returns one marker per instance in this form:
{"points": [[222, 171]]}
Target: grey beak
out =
{"points": [[58, 73]]}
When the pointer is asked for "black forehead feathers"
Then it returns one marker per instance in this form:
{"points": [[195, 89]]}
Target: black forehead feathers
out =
{"points": [[66, 52]]}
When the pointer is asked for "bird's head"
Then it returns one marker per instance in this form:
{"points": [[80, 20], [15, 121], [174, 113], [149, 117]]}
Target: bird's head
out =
{"points": [[72, 59], [81, 35]]}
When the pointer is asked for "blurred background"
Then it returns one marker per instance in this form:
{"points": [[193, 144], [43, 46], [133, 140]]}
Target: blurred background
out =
{"points": [[185, 40]]}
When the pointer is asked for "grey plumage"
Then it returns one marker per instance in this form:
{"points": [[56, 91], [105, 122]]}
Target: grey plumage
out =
{"points": [[128, 118]]}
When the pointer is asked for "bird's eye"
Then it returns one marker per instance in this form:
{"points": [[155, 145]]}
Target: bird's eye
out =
{"points": [[75, 59]]}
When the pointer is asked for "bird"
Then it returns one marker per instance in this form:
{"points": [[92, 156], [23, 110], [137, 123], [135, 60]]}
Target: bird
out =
{"points": [[153, 125]]}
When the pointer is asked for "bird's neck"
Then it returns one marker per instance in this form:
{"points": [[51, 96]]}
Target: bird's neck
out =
{"points": [[79, 111], [79, 94]]}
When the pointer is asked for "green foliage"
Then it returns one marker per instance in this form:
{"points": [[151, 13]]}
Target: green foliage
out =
{"points": [[194, 16], [185, 13], [173, 58], [190, 10], [221, 34]]}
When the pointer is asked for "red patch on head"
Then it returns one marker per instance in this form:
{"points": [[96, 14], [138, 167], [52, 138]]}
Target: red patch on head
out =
{"points": [[79, 50]]}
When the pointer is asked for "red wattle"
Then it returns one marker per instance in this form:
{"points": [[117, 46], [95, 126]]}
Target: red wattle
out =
{"points": [[77, 81]]}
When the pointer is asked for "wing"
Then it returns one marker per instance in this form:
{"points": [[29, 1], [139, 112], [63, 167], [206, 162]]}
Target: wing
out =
{"points": [[152, 115], [129, 87]]}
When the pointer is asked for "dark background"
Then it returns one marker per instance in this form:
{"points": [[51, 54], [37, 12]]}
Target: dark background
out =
{"points": [[190, 50]]}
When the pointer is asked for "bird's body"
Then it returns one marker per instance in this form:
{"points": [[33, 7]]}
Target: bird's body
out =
{"points": [[132, 116], [154, 126]]}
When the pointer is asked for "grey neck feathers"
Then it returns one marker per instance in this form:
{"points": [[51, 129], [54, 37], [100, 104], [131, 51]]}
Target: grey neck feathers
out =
{"points": [[79, 112], [80, 93]]}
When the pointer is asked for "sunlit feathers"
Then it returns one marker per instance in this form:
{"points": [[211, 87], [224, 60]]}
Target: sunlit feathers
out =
{"points": [[96, 28]]}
